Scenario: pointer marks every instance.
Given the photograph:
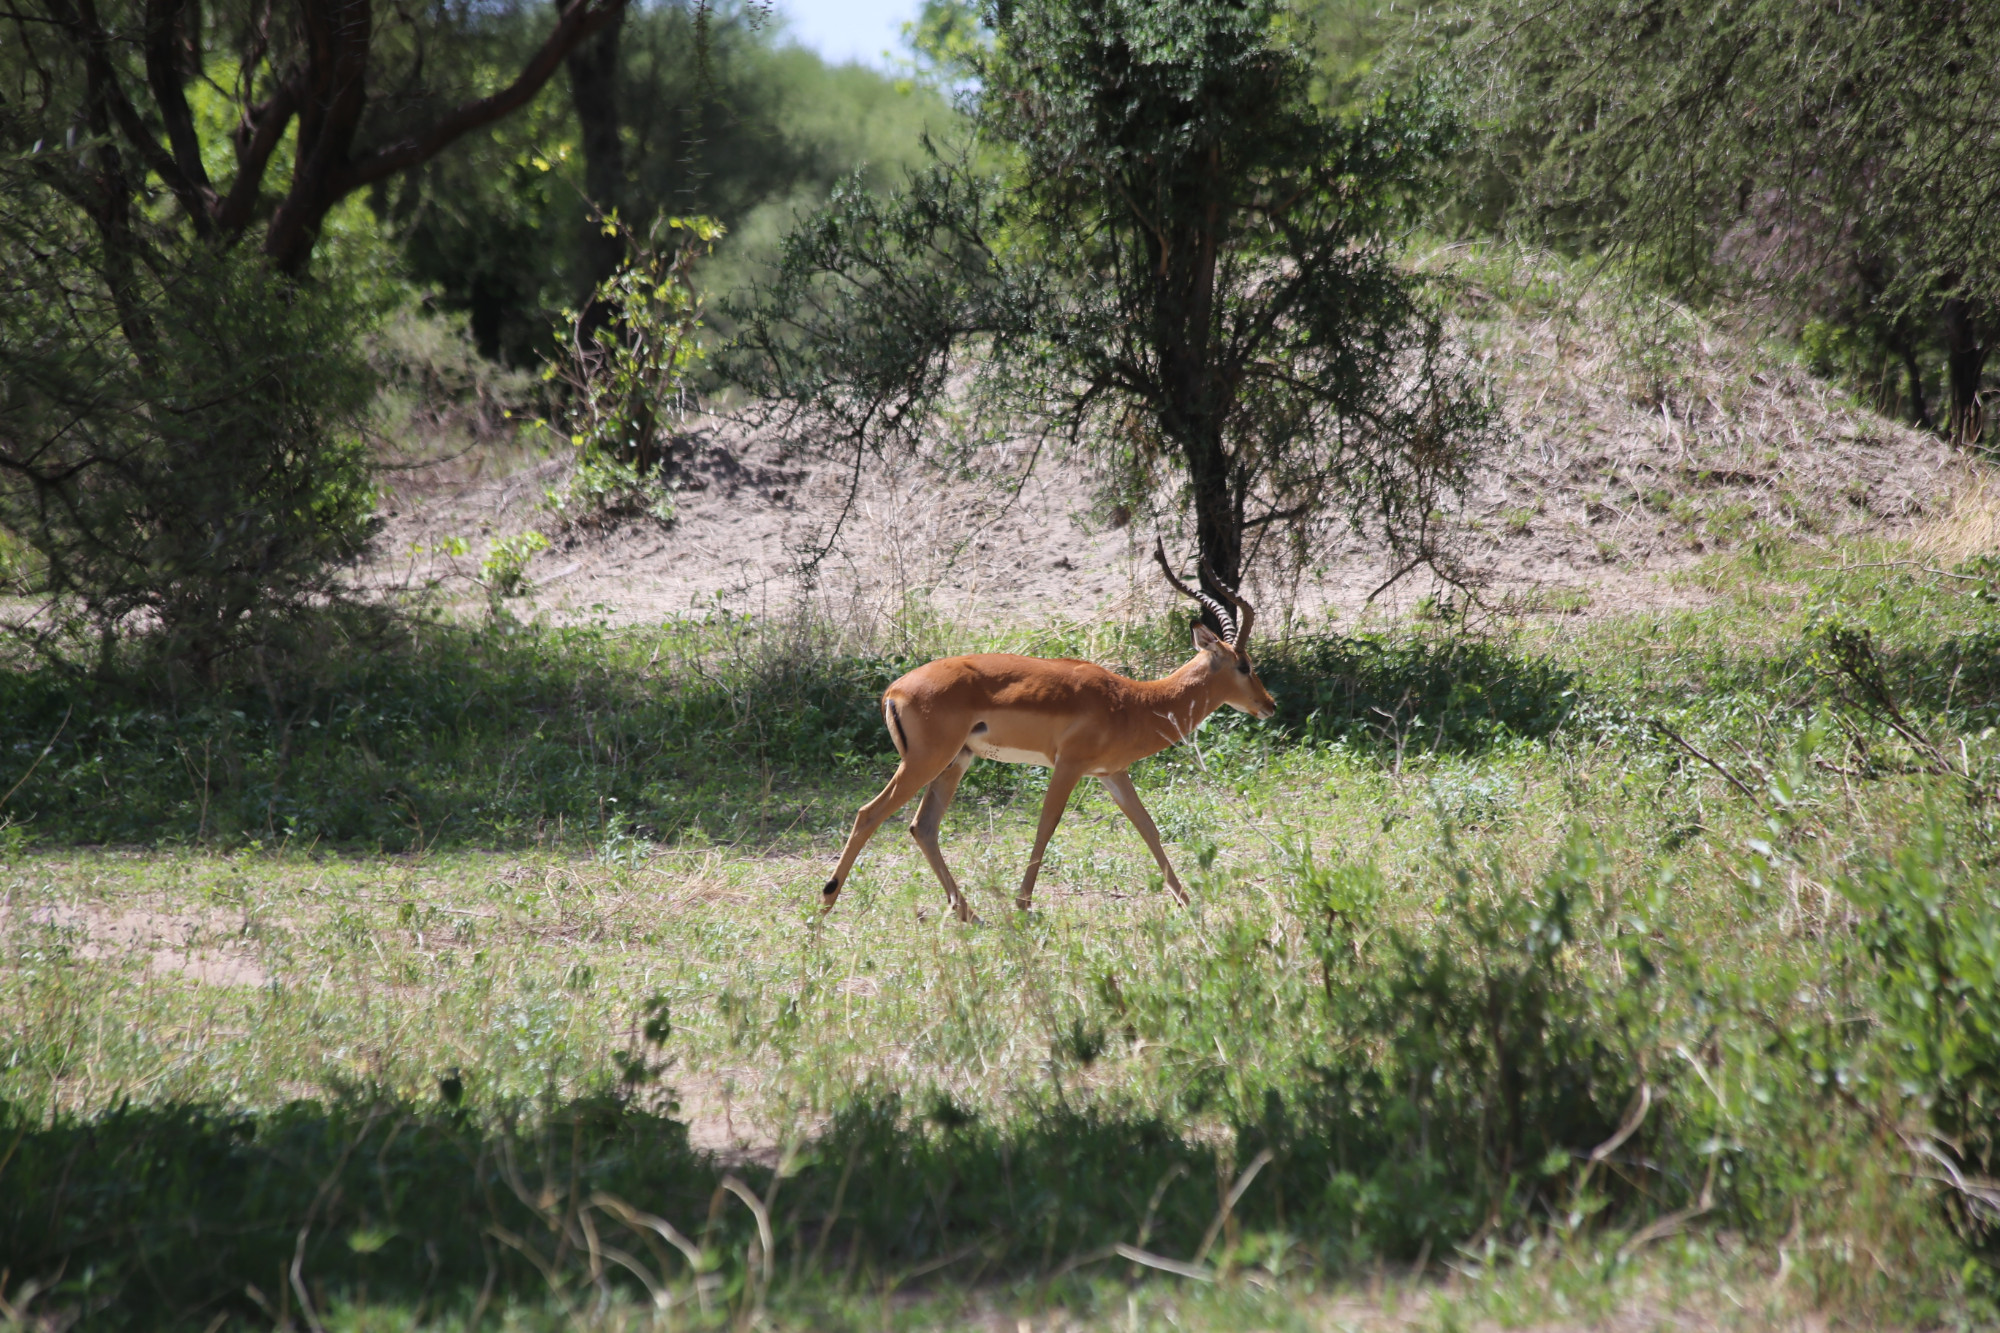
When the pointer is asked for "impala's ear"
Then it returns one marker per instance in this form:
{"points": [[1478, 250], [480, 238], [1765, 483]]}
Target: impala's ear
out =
{"points": [[1205, 639]]}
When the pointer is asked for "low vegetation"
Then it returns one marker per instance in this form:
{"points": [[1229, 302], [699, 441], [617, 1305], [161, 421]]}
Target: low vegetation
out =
{"points": [[369, 960], [483, 977]]}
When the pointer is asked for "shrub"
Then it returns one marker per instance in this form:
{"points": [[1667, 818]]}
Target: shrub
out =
{"points": [[1931, 927], [623, 371], [178, 438]]}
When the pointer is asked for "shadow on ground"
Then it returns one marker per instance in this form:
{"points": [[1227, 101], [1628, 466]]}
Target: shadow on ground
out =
{"points": [[508, 735], [1456, 694]]}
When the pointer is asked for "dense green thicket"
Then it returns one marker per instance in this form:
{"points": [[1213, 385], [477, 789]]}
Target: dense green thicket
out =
{"points": [[719, 119], [1838, 159], [180, 443]]}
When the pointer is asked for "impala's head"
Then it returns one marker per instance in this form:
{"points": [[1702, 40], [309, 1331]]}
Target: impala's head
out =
{"points": [[1229, 652]]}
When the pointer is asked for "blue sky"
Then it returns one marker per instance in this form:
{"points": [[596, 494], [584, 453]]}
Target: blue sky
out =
{"points": [[841, 30]]}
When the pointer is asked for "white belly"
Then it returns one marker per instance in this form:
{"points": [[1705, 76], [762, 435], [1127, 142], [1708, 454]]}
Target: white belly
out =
{"points": [[1007, 756]]}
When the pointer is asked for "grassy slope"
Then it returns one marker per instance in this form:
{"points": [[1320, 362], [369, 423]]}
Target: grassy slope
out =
{"points": [[1504, 856]]}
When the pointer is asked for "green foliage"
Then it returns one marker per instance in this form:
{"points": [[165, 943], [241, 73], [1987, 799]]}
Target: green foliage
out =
{"points": [[733, 125], [1449, 1080], [164, 1217], [180, 438], [1828, 156], [436, 396], [1416, 691], [624, 370], [505, 568], [1534, 983], [502, 734], [948, 42], [1442, 1077], [211, 122], [1931, 929], [1114, 279]]}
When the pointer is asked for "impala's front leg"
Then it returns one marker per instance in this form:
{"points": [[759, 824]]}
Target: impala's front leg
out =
{"points": [[1062, 781], [908, 780], [1126, 796]]}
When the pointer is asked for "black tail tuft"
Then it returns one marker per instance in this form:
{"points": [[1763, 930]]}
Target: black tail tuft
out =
{"points": [[896, 727]]}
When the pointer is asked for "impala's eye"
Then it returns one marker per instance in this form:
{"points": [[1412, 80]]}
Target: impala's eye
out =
{"points": [[1243, 667]]}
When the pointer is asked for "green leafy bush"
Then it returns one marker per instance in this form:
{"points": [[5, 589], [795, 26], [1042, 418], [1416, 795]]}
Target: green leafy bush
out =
{"points": [[179, 437], [505, 568], [1931, 929], [623, 371]]}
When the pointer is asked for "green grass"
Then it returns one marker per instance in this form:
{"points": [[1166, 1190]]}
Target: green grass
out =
{"points": [[382, 976]]}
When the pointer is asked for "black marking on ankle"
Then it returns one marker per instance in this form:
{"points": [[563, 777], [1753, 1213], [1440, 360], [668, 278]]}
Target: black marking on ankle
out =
{"points": [[832, 887]]}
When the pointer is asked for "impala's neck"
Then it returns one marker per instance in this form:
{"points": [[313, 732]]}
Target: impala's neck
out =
{"points": [[1182, 701]]}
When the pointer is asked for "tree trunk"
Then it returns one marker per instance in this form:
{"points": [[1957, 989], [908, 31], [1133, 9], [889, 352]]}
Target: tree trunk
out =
{"points": [[1218, 516], [329, 95], [1904, 345], [1920, 410], [1965, 360], [593, 89]]}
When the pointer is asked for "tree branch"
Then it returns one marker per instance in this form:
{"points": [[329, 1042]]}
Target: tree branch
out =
{"points": [[163, 74], [266, 129], [103, 76], [580, 19]]}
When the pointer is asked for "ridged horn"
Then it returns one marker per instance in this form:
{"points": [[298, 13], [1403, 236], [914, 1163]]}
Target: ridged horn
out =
{"points": [[1242, 636], [1215, 608]]}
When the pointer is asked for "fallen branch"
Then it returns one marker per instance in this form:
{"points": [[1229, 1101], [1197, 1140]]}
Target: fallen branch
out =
{"points": [[1685, 744], [1257, 1163]]}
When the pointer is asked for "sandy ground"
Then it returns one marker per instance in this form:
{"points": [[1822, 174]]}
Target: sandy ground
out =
{"points": [[1640, 438], [199, 946], [1595, 499]]}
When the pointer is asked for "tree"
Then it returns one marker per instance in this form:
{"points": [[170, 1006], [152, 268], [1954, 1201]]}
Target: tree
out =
{"points": [[593, 92], [179, 439], [1159, 246], [337, 96], [179, 416], [707, 114], [1844, 159]]}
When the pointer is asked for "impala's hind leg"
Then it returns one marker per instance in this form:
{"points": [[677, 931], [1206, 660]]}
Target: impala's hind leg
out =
{"points": [[921, 763], [924, 828]]}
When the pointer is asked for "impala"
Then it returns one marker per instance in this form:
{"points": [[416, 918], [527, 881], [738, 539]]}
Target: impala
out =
{"points": [[1074, 717]]}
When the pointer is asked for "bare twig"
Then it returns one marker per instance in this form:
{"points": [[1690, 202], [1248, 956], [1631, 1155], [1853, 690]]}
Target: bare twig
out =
{"points": [[763, 1216], [1199, 1271], [38, 758], [1682, 741], [1257, 1163], [1633, 1119]]}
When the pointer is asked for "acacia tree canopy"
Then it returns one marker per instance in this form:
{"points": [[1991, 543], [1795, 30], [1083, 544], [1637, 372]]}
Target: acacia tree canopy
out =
{"points": [[180, 416], [1179, 261], [1844, 158]]}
